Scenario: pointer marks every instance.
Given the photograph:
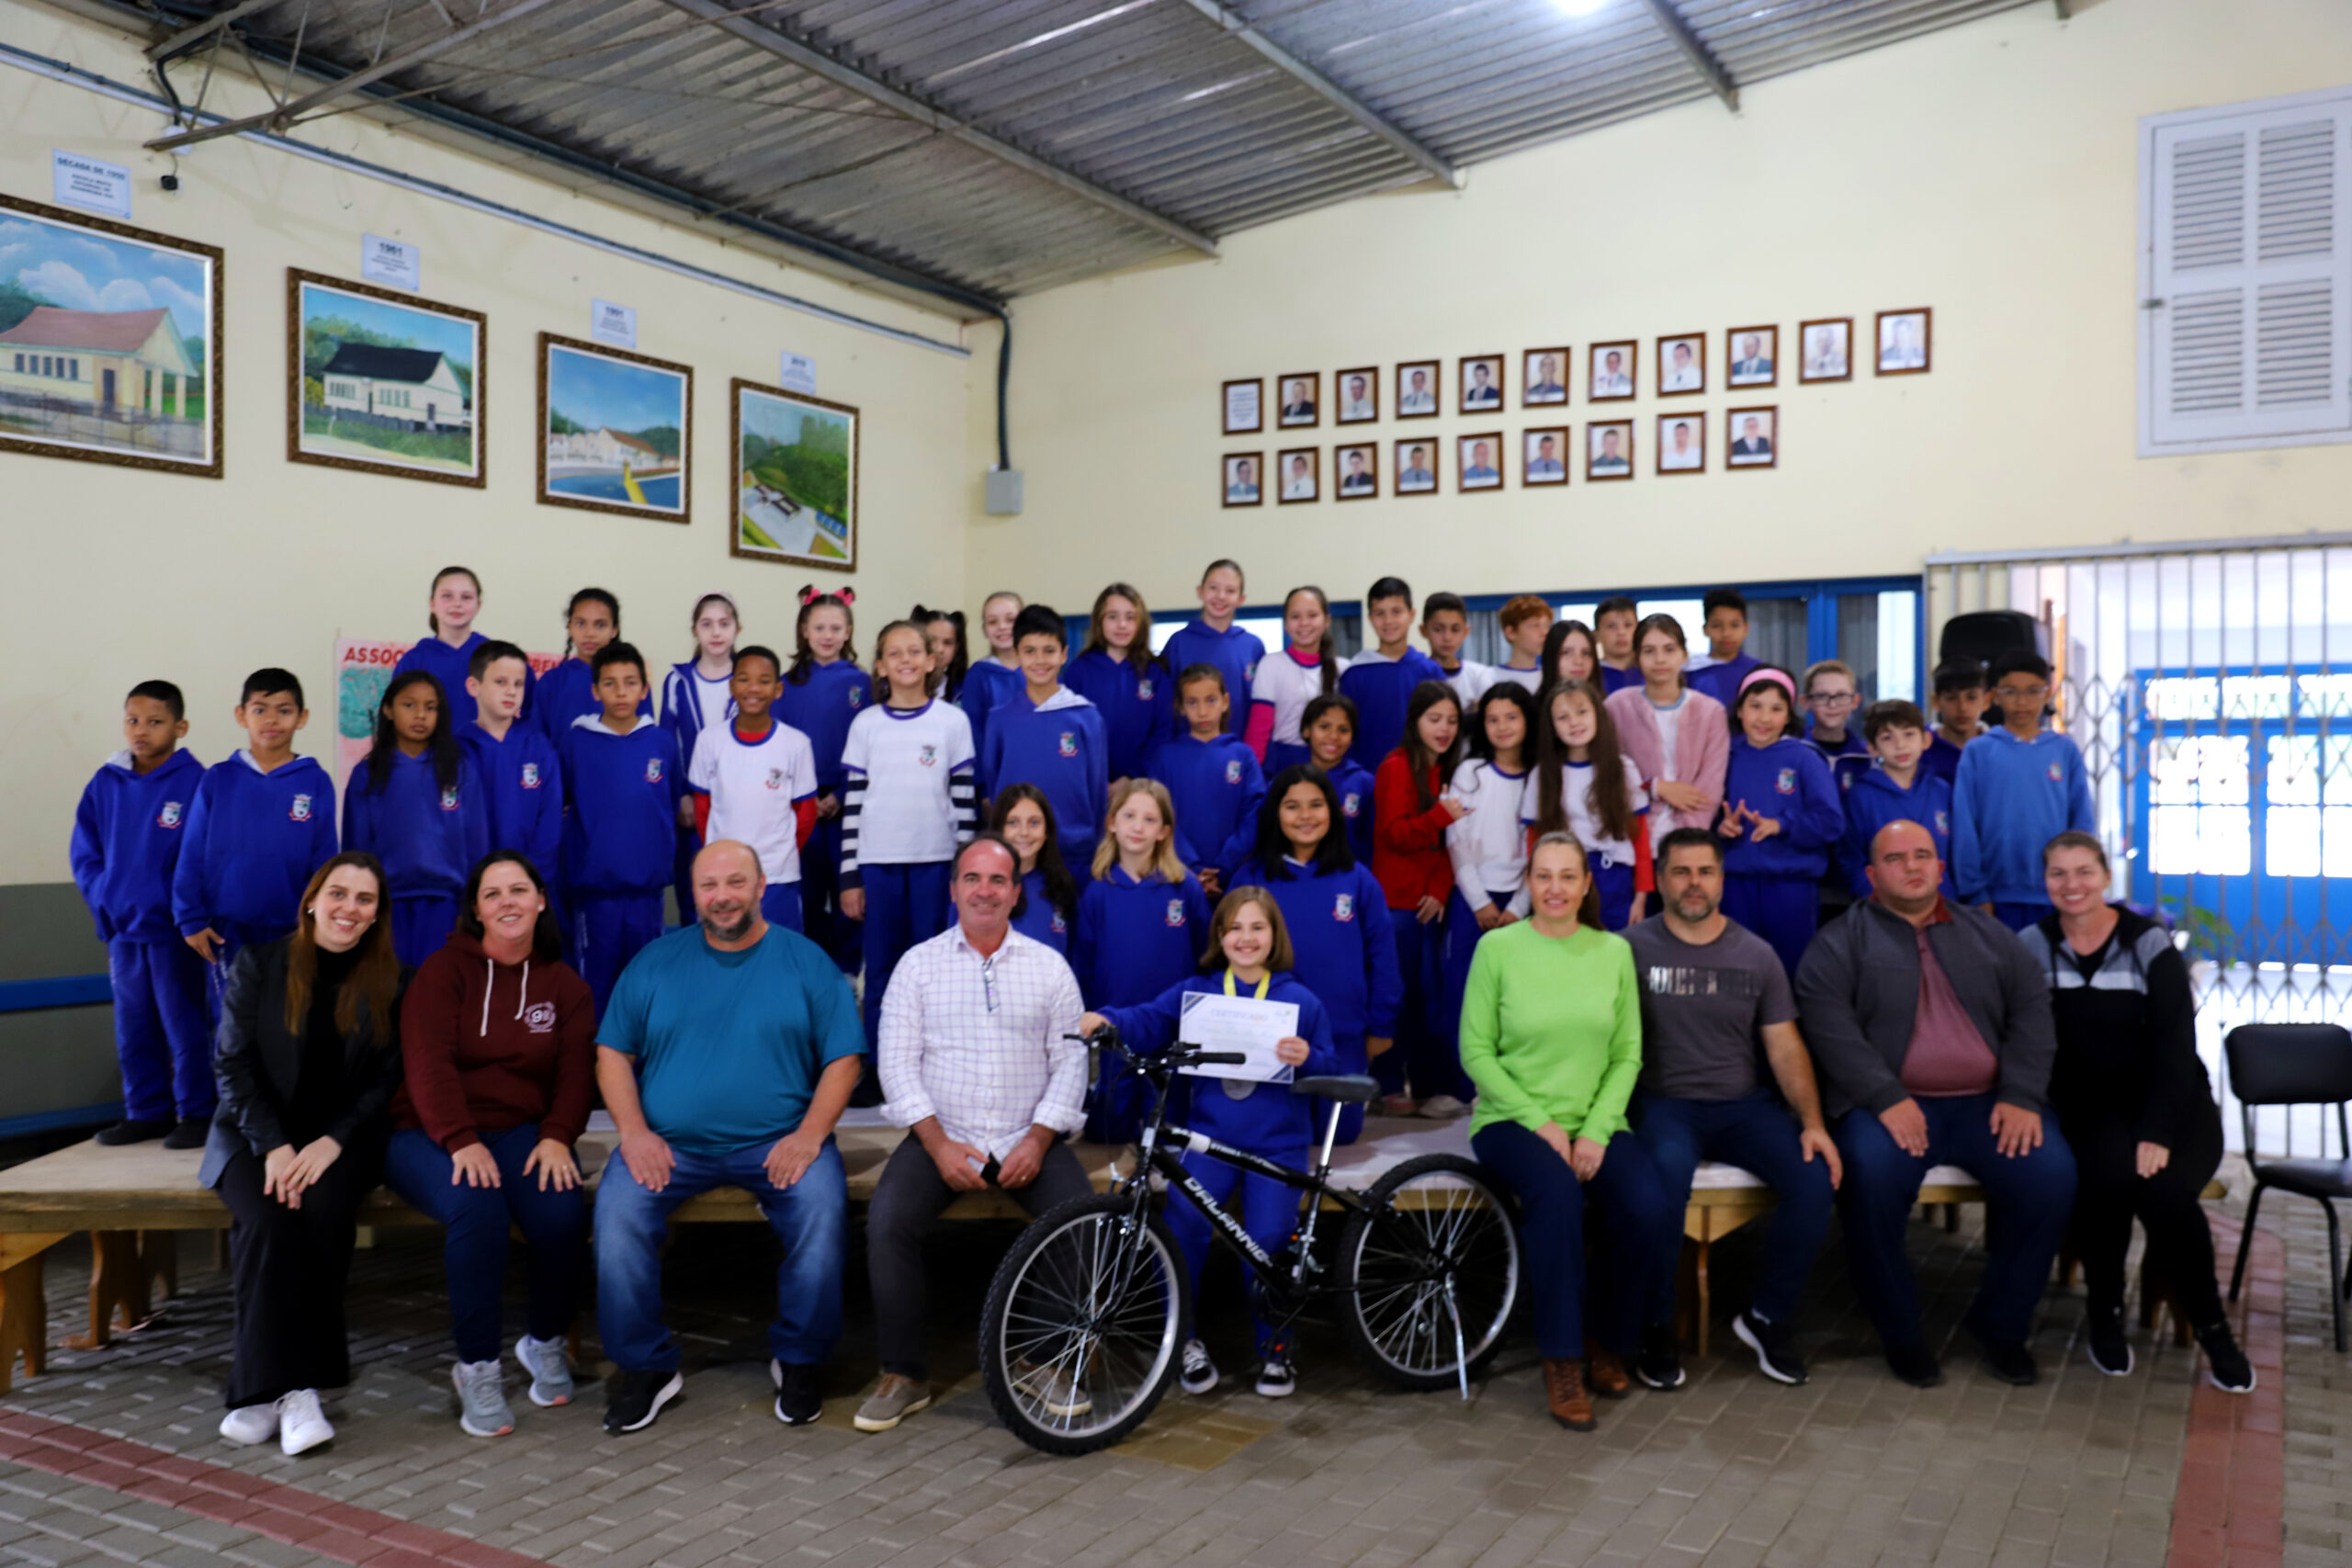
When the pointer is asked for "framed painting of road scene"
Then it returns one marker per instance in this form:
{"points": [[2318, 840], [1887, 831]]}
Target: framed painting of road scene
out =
{"points": [[384, 383], [796, 477], [616, 430]]}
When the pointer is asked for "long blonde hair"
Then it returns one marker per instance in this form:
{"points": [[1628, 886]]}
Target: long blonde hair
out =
{"points": [[1166, 863]]}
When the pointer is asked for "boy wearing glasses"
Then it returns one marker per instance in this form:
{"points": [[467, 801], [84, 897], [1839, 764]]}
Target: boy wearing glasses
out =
{"points": [[2019, 787], [1830, 695]]}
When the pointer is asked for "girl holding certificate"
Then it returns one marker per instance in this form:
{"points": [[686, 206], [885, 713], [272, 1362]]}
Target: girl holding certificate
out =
{"points": [[1267, 1119]]}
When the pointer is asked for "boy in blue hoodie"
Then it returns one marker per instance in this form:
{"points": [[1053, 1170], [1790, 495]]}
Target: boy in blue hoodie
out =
{"points": [[522, 778], [261, 823], [1899, 786], [1380, 680], [126, 837], [1214, 779], [1048, 736], [623, 782], [2019, 786]]}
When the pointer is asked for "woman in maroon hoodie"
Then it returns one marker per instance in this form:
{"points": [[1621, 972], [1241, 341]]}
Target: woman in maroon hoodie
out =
{"points": [[499, 1044]]}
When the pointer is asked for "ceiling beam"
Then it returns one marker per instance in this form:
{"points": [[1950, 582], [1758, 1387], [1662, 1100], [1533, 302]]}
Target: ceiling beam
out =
{"points": [[1703, 58], [815, 62], [205, 29], [1237, 26]]}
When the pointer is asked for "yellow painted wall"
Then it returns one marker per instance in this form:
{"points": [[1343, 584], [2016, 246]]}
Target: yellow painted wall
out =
{"points": [[1988, 171], [113, 575]]}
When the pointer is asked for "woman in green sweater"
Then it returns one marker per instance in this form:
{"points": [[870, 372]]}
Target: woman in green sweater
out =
{"points": [[1552, 1035]]}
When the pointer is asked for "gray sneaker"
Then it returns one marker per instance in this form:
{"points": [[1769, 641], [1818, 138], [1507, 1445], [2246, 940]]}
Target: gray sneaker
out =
{"points": [[893, 1400], [482, 1394], [1054, 1389], [550, 1369]]}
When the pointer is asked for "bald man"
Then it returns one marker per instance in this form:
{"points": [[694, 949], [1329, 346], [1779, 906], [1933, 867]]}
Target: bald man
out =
{"points": [[725, 1054], [1930, 1030]]}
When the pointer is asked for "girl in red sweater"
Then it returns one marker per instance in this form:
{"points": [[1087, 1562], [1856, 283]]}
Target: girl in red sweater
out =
{"points": [[1410, 814]]}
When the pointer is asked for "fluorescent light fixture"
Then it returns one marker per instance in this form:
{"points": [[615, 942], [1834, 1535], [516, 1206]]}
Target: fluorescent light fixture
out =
{"points": [[1580, 8]]}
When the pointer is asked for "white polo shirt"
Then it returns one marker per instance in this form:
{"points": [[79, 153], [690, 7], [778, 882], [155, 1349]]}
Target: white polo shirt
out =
{"points": [[753, 786]]}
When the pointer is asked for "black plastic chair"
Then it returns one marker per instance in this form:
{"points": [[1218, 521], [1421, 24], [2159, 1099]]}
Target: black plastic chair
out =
{"points": [[2293, 1064]]}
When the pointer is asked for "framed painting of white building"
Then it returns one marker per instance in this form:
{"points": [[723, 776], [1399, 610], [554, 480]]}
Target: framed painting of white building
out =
{"points": [[796, 477], [614, 430], [109, 342], [384, 383]]}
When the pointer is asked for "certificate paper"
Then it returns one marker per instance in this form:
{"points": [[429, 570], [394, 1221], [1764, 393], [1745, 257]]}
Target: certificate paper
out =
{"points": [[1245, 1024]]}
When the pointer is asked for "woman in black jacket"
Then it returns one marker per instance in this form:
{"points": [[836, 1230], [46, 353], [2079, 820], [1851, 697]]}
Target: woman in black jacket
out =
{"points": [[2133, 1100], [308, 1058]]}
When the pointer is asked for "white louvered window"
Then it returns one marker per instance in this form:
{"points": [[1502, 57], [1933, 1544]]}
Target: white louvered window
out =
{"points": [[2245, 233]]}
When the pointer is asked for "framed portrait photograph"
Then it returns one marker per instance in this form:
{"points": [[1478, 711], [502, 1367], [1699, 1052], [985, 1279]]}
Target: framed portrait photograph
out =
{"points": [[1609, 450], [616, 429], [1905, 338], [1299, 472], [1416, 467], [1416, 389], [1682, 442], [1682, 365], [1358, 395], [1752, 437], [1543, 455], [1481, 390], [1827, 346], [383, 382], [1611, 370], [1243, 482], [795, 490], [1301, 400], [1356, 470], [1752, 357], [110, 351], [1478, 461], [1543, 378], [1245, 406]]}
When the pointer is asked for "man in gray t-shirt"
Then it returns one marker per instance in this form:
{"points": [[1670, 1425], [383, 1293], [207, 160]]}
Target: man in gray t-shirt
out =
{"points": [[1711, 994]]}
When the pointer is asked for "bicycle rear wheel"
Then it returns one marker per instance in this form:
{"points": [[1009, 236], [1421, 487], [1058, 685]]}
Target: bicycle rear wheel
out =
{"points": [[1079, 1337], [1430, 1270]]}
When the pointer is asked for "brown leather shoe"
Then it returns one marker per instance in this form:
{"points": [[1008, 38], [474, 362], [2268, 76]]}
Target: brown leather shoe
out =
{"points": [[1604, 1372], [1564, 1387]]}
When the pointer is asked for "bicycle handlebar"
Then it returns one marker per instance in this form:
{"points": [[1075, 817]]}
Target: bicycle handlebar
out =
{"points": [[1108, 1037]]}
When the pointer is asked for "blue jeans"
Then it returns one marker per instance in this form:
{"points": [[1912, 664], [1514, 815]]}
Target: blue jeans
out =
{"points": [[1756, 1134], [2029, 1197], [1269, 1213], [608, 931], [810, 1217], [1424, 1053], [474, 1222], [1641, 1236], [160, 1037]]}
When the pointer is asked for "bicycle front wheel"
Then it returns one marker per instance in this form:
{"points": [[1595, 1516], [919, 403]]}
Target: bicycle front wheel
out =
{"points": [[1430, 1270], [1079, 1338]]}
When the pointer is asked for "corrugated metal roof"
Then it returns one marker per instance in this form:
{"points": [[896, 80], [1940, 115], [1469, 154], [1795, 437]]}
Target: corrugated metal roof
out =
{"points": [[1014, 144]]}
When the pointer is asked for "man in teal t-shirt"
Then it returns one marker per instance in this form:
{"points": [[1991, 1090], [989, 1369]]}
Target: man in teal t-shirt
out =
{"points": [[725, 1054]]}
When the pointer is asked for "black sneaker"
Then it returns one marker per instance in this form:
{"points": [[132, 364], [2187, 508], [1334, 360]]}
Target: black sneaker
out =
{"points": [[1199, 1373], [797, 1402], [1277, 1379], [2225, 1365], [1660, 1362], [1915, 1364], [633, 1399], [2109, 1347], [190, 1133], [1775, 1356], [127, 1131], [2011, 1362]]}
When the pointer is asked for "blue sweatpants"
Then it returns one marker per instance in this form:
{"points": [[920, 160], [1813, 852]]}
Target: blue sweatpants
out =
{"points": [[1424, 1054], [682, 879], [1641, 1232], [820, 897], [904, 905], [1269, 1213], [2016, 916], [783, 905], [1462, 934], [607, 932], [160, 1037], [1784, 910], [1613, 881], [234, 939], [1756, 1134], [421, 924]]}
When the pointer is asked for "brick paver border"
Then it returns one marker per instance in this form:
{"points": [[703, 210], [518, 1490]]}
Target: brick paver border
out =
{"points": [[2227, 1512]]}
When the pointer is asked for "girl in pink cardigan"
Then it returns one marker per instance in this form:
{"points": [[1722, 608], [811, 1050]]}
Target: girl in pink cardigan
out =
{"points": [[1676, 737]]}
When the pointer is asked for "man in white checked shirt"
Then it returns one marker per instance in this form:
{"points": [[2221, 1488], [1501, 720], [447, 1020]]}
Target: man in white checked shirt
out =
{"points": [[975, 1065]]}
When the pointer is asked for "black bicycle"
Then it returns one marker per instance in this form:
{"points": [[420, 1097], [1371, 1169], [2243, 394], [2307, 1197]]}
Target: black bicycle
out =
{"points": [[1080, 1335]]}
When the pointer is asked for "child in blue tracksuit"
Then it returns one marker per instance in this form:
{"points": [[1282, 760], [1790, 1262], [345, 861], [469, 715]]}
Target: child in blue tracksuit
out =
{"points": [[623, 782], [1265, 1119], [1380, 680], [696, 694], [417, 805], [263, 821], [1337, 916], [995, 677], [522, 780], [1329, 727], [823, 692], [2019, 786], [1049, 911], [1048, 736], [1117, 673], [1213, 778], [1142, 926], [569, 690], [1212, 639], [1781, 817], [1901, 785], [455, 601], [128, 834]]}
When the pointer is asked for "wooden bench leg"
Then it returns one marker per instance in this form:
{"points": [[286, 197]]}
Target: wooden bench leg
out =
{"points": [[159, 1258], [117, 1288], [1705, 1293], [24, 1314]]}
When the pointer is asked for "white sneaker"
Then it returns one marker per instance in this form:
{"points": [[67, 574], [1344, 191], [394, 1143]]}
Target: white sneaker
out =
{"points": [[1442, 1107], [1199, 1373], [250, 1423], [301, 1424], [549, 1364]]}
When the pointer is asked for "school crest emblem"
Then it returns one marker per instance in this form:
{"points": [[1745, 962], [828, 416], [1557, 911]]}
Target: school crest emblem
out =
{"points": [[170, 816], [653, 770], [2057, 771], [1143, 690], [1248, 672], [929, 757], [540, 1018], [1343, 906], [449, 798], [1787, 783], [1943, 823], [1176, 912], [1348, 804], [856, 697], [300, 811], [1057, 925], [775, 778], [1068, 745], [530, 776], [1233, 771]]}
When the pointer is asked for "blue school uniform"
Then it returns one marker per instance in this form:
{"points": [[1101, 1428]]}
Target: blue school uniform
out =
{"points": [[1721, 681], [619, 830], [1381, 687], [252, 841], [822, 709], [1942, 759], [1218, 789], [2010, 798], [1058, 746], [683, 691], [1039, 921], [522, 784], [1134, 940], [1138, 708], [1770, 887], [1234, 653], [1265, 1119], [1873, 800], [569, 692], [429, 835], [450, 666], [986, 686], [1355, 787], [1345, 949], [129, 832], [1853, 746], [1613, 680]]}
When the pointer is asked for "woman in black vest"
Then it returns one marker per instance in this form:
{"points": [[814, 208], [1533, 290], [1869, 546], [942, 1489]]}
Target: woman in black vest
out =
{"points": [[308, 1058]]}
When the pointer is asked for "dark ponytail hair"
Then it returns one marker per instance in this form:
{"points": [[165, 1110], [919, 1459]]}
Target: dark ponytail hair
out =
{"points": [[589, 596], [1062, 888], [1326, 652], [1419, 760], [1333, 855], [1474, 723], [381, 750], [804, 657], [947, 683]]}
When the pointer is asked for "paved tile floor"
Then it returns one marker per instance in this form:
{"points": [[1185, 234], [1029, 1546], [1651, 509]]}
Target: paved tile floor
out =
{"points": [[1852, 1468]]}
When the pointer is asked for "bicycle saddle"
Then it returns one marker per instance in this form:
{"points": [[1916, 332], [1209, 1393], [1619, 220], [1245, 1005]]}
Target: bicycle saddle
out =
{"points": [[1350, 1089]]}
